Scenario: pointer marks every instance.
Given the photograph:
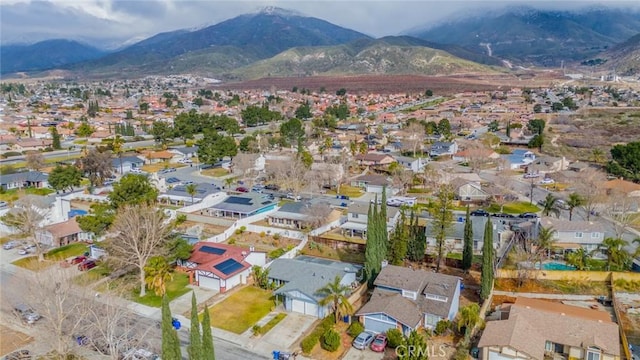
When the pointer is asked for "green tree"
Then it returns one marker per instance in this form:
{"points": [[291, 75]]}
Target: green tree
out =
{"points": [[428, 93], [214, 147], [65, 177], [116, 147], [579, 259], [468, 317], [536, 142], [260, 277], [55, 136], [617, 257], [442, 219], [162, 133], [292, 132], [417, 240], [170, 340], [545, 243], [178, 249], [336, 295], [100, 217], [625, 161], [597, 156], [375, 251], [549, 205], [191, 189], [195, 346], [303, 111], [341, 92], [467, 250], [207, 338], [536, 126], [133, 189], [398, 243], [414, 347], [573, 202], [85, 130], [486, 277], [494, 126], [157, 274], [537, 108], [444, 127]]}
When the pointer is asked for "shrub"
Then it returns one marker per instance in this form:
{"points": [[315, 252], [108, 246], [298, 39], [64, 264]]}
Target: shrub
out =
{"points": [[11, 153], [181, 218], [232, 241], [276, 236], [442, 326], [262, 234], [355, 328], [394, 338], [330, 340], [462, 353], [276, 253], [308, 343], [256, 329]]}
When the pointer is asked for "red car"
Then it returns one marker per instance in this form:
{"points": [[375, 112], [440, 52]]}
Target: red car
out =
{"points": [[78, 259], [379, 343], [242, 189], [87, 265]]}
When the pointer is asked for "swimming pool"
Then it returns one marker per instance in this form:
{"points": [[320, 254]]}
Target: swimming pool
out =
{"points": [[557, 266]]}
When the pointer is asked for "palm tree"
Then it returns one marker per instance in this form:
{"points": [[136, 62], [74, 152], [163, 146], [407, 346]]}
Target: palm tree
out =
{"points": [[573, 202], [549, 206], [229, 181], [157, 274], [616, 254], [545, 242], [468, 317], [116, 145], [191, 189], [597, 155], [336, 294], [579, 259]]}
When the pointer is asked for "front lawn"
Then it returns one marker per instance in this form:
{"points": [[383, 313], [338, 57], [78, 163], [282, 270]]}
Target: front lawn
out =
{"points": [[67, 251], [32, 263], [38, 191], [477, 259], [517, 207], [215, 172], [242, 309], [151, 168], [175, 288], [348, 190], [93, 275]]}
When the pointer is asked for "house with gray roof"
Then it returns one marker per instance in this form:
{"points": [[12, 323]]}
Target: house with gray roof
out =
{"points": [[455, 236], [290, 215], [411, 163], [128, 163], [442, 148], [25, 179], [576, 234], [407, 299], [358, 213], [242, 205], [299, 280], [179, 193]]}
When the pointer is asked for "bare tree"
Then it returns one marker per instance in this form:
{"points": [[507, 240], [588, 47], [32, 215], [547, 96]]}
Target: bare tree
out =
{"points": [[618, 208], [316, 214], [290, 175], [35, 160], [142, 231], [590, 189], [244, 164], [98, 165], [26, 218], [414, 137], [402, 179]]}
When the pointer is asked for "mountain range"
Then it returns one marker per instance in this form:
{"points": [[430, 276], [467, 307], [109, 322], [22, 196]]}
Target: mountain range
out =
{"points": [[277, 42]]}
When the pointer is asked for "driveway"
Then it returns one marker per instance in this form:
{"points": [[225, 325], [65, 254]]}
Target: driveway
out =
{"points": [[284, 336], [355, 354]]}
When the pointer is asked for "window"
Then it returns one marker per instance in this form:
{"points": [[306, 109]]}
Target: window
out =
{"points": [[548, 346], [593, 353], [354, 215], [436, 297], [595, 235], [579, 235], [432, 320]]}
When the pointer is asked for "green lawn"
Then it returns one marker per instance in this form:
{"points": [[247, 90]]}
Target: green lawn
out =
{"points": [[477, 259], [39, 191], [32, 263], [215, 172], [175, 288], [91, 276], [273, 322], [67, 251], [14, 194], [517, 207], [242, 310], [348, 190]]}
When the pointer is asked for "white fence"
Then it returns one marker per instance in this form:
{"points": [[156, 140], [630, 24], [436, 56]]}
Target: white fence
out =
{"points": [[206, 203]]}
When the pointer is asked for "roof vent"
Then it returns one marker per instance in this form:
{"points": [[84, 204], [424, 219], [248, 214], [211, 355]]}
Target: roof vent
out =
{"points": [[528, 307], [562, 314]]}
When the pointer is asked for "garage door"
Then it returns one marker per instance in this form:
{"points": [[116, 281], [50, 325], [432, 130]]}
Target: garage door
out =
{"points": [[297, 306], [208, 282], [497, 356], [303, 307], [377, 326]]}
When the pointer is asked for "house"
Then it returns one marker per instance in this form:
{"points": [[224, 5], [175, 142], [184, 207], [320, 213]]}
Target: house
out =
{"points": [[622, 186], [373, 183], [357, 215], [519, 158], [220, 266], [374, 159], [454, 238], [242, 206], [441, 148], [128, 163], [185, 152], [62, 233], [291, 215], [299, 279], [178, 194], [407, 299], [572, 235], [539, 329], [410, 163], [26, 179], [154, 157], [468, 191]]}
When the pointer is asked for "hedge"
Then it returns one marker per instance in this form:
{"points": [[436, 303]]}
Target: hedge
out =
{"points": [[310, 341]]}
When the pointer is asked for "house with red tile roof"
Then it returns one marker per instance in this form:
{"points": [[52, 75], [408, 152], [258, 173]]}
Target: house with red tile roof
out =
{"points": [[221, 266]]}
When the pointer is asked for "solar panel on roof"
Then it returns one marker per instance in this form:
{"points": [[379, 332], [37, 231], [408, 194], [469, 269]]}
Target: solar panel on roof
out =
{"points": [[228, 266], [213, 250], [238, 200]]}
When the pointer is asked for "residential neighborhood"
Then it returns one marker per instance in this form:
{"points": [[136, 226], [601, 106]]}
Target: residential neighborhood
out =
{"points": [[318, 224]]}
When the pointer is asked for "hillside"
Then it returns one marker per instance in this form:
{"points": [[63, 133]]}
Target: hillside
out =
{"points": [[45, 55], [361, 57], [624, 58], [539, 37]]}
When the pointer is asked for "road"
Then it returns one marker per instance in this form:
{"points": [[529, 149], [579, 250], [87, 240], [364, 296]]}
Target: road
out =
{"points": [[11, 275]]}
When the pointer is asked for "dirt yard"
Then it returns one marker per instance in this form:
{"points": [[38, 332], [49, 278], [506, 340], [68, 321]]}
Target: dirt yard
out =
{"points": [[208, 230], [553, 287], [261, 242], [630, 314], [11, 340]]}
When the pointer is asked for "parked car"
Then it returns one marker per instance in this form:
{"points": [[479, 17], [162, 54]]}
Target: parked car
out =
{"points": [[3, 204], [26, 313], [531, 176], [363, 340], [87, 265], [27, 249], [562, 204], [19, 355], [11, 244], [379, 343], [78, 260], [167, 170], [273, 187], [291, 196], [257, 189], [503, 215], [242, 189], [547, 181], [172, 180], [479, 212], [528, 216], [185, 183], [135, 171], [185, 161]]}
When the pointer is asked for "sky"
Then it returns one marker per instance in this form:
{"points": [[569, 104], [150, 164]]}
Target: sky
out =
{"points": [[110, 23]]}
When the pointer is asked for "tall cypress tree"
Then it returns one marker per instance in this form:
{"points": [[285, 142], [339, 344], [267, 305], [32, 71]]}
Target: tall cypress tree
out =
{"points": [[370, 252], [467, 250], [397, 249], [195, 347], [417, 240], [170, 340], [207, 339], [486, 279]]}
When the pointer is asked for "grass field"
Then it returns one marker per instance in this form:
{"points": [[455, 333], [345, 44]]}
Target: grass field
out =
{"points": [[517, 207], [242, 310], [347, 190], [175, 288]]}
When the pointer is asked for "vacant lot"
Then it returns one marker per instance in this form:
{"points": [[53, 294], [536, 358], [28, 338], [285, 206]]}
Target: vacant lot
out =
{"points": [[553, 287], [11, 340]]}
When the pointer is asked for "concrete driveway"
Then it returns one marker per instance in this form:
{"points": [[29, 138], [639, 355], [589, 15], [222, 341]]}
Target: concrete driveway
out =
{"points": [[284, 336], [355, 354]]}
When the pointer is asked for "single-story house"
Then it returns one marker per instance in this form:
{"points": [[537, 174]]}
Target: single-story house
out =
{"points": [[374, 159], [299, 280], [572, 235], [185, 151], [128, 163], [290, 215], [36, 179], [153, 157], [539, 329], [373, 183], [441, 148], [221, 266], [242, 206], [62, 233], [468, 191], [519, 158], [179, 194], [413, 164], [407, 299]]}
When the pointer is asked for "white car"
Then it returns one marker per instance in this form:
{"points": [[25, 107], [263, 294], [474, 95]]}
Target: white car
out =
{"points": [[185, 161], [547, 181], [135, 171]]}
